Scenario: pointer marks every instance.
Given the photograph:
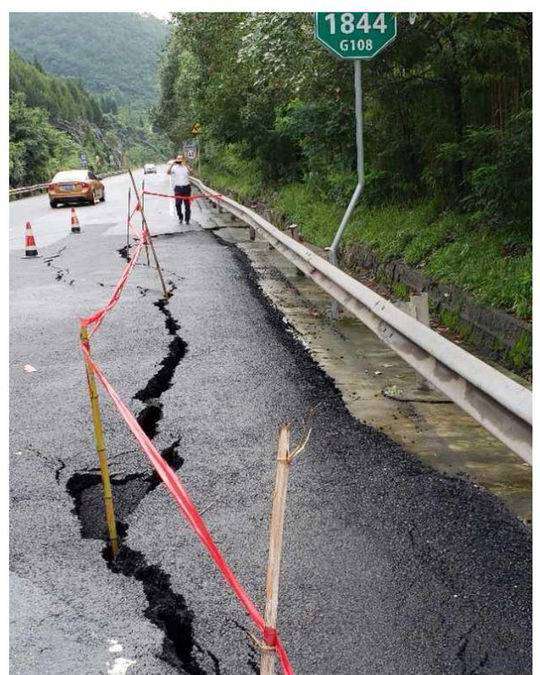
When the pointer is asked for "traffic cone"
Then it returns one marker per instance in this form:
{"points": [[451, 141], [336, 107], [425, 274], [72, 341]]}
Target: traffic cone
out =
{"points": [[30, 243], [75, 227]]}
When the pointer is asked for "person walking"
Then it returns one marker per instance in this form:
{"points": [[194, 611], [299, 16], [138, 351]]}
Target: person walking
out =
{"points": [[179, 173]]}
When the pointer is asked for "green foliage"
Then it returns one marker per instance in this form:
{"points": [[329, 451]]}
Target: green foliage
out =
{"points": [[447, 135], [231, 172], [456, 324], [64, 99], [114, 53], [318, 218], [476, 261], [53, 120], [502, 189], [36, 147], [496, 267], [400, 290], [458, 133], [521, 353]]}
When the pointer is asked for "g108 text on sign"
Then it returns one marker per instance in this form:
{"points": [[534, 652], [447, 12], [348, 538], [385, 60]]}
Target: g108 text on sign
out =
{"points": [[355, 35]]}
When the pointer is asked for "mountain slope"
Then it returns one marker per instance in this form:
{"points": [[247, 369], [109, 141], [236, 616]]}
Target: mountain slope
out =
{"points": [[112, 53], [53, 120]]}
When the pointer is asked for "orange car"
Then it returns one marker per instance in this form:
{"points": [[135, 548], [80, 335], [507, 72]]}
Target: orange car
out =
{"points": [[79, 186]]}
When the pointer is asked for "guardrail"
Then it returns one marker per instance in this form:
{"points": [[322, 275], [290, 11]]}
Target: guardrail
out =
{"points": [[40, 187], [16, 192], [499, 404]]}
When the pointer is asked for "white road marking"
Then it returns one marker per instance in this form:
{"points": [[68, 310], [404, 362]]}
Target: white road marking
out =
{"points": [[114, 646], [120, 664]]}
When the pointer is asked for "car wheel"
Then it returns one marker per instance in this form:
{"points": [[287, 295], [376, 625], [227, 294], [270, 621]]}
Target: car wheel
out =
{"points": [[53, 204], [102, 198]]}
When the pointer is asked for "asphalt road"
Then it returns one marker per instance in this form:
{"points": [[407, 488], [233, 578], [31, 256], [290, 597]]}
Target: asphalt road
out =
{"points": [[388, 566]]}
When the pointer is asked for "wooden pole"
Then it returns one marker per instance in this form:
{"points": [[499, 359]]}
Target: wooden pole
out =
{"points": [[127, 223], [276, 543], [147, 231], [100, 447], [142, 211]]}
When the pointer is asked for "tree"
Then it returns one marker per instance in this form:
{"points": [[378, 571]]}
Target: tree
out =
{"points": [[444, 106]]}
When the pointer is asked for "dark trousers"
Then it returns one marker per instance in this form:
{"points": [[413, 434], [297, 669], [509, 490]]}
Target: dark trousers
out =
{"points": [[183, 190]]}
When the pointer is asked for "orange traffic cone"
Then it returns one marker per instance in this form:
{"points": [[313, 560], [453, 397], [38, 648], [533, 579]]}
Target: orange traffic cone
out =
{"points": [[75, 227], [30, 243]]}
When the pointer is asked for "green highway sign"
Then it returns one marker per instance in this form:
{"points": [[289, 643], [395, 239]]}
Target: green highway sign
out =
{"points": [[355, 35]]}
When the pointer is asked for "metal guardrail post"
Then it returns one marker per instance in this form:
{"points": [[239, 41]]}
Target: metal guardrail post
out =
{"points": [[293, 229], [419, 304]]}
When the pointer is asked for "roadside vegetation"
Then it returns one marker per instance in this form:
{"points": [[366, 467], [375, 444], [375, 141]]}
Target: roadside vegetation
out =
{"points": [[53, 120], [114, 54], [495, 266], [447, 125]]}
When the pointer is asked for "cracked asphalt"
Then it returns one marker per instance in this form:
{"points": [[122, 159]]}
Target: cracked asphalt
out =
{"points": [[388, 566]]}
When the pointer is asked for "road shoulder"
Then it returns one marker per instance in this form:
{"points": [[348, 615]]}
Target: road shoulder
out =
{"points": [[440, 434]]}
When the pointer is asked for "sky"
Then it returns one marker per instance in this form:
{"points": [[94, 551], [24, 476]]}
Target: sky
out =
{"points": [[163, 15]]}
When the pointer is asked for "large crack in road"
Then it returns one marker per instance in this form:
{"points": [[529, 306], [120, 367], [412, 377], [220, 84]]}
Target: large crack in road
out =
{"points": [[166, 609]]}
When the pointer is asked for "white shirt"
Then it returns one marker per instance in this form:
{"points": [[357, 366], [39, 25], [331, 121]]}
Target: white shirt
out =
{"points": [[179, 175]]}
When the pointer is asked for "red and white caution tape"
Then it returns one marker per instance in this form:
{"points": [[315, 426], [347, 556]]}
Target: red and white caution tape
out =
{"points": [[98, 316], [187, 198], [169, 477], [190, 513]]}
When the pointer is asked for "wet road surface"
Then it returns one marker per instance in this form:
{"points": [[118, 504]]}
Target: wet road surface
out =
{"points": [[388, 567]]}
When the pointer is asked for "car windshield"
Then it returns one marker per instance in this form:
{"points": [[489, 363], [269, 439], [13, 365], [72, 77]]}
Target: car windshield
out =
{"points": [[65, 176]]}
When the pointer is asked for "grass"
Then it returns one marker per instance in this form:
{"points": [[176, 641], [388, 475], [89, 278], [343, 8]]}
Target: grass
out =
{"points": [[233, 175], [494, 266], [521, 353]]}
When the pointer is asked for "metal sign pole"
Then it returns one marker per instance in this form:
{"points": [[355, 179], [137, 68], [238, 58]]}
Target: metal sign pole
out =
{"points": [[332, 251]]}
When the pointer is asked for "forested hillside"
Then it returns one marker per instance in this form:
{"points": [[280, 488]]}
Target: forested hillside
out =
{"points": [[53, 120], [447, 127], [64, 99], [113, 53]]}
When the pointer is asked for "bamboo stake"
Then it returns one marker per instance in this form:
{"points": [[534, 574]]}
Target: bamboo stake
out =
{"points": [[276, 543], [127, 222], [142, 211], [100, 447], [147, 231]]}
